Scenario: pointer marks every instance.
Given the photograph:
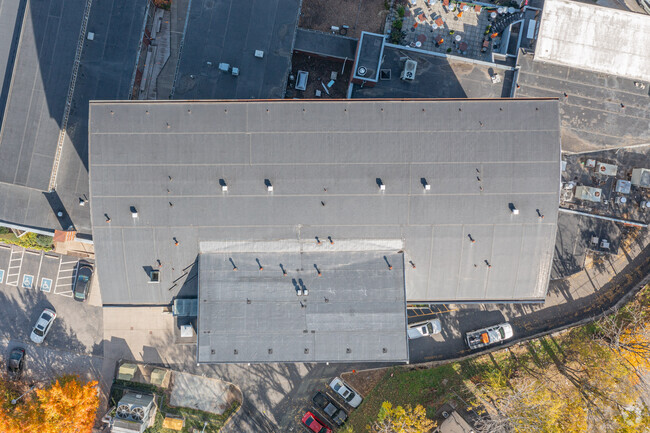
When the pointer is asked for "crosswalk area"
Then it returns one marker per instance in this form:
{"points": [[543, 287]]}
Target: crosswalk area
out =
{"points": [[48, 272]]}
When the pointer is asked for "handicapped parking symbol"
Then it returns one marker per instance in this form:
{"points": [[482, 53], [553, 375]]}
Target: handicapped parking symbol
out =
{"points": [[28, 280], [46, 284]]}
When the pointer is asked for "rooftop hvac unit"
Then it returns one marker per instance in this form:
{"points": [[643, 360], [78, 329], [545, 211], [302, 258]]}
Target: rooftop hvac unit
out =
{"points": [[130, 412], [409, 70], [134, 407]]}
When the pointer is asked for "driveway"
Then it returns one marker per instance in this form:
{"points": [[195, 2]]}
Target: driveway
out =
{"points": [[42, 364]]}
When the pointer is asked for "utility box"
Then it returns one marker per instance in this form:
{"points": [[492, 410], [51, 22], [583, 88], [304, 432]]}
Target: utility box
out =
{"points": [[301, 81], [607, 169], [588, 193]]}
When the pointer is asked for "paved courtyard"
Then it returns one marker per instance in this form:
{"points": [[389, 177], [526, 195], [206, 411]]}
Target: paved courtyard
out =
{"points": [[460, 26]]}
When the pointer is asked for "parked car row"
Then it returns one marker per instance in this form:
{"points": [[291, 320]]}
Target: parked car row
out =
{"points": [[331, 407], [474, 339]]}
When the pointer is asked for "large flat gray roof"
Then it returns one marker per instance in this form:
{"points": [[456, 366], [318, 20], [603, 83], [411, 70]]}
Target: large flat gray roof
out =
{"points": [[325, 161], [228, 31], [39, 88], [354, 311]]}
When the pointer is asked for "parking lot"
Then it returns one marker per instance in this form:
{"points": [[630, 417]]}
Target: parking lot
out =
{"points": [[33, 280]]}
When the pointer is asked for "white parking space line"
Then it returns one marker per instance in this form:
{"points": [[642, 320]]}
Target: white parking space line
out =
{"points": [[65, 277], [40, 263], [15, 264]]}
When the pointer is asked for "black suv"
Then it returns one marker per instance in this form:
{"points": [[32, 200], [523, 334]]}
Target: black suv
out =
{"points": [[328, 406]]}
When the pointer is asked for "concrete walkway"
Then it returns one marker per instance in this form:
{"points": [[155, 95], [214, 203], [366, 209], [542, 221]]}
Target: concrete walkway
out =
{"points": [[202, 393]]}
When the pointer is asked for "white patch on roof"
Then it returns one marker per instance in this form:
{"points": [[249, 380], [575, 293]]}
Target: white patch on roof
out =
{"points": [[595, 38]]}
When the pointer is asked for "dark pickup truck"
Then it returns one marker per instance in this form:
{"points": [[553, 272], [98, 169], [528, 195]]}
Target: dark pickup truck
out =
{"points": [[332, 410]]}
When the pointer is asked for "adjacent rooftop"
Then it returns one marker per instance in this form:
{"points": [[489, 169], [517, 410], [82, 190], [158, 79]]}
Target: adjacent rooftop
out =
{"points": [[43, 172], [595, 60], [595, 38], [436, 76], [466, 189], [218, 58]]}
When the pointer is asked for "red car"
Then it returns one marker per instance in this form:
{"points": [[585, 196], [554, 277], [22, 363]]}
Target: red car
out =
{"points": [[316, 425]]}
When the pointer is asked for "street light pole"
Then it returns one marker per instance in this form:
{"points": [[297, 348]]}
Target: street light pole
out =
{"points": [[14, 401], [205, 423]]}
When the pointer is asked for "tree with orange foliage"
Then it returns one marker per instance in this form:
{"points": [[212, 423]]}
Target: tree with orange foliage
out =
{"points": [[65, 406]]}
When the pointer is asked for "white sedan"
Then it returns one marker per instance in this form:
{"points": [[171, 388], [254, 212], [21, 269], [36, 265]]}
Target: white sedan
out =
{"points": [[344, 390], [43, 325], [424, 329]]}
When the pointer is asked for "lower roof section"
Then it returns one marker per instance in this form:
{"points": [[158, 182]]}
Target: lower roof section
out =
{"points": [[250, 310]]}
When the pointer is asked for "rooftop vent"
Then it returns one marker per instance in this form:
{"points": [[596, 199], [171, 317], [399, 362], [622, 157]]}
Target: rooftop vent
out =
{"points": [[134, 212], [362, 71], [259, 54], [154, 276], [269, 185], [513, 209]]}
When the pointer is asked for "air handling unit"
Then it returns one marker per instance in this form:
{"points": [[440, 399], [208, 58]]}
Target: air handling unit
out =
{"points": [[133, 413], [409, 70]]}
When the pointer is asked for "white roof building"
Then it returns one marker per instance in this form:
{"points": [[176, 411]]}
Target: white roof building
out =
{"points": [[595, 38]]}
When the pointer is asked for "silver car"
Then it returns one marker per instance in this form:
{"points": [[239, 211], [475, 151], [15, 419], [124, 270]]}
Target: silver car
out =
{"points": [[43, 325], [344, 390]]}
